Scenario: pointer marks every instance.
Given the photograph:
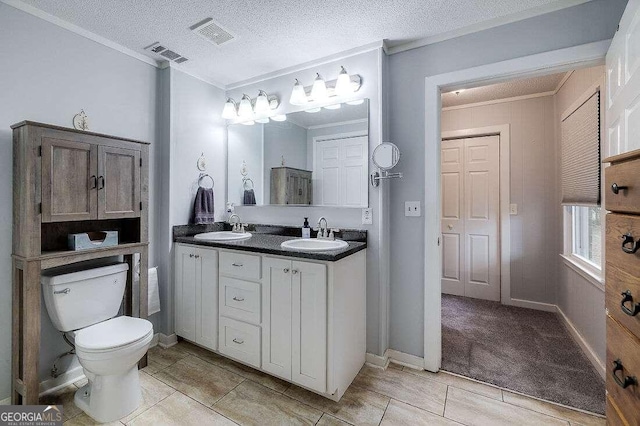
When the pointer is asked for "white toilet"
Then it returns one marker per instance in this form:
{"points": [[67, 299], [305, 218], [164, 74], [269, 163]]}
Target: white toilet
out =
{"points": [[86, 303]]}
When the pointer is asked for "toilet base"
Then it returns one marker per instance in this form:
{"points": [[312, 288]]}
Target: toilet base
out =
{"points": [[110, 398]]}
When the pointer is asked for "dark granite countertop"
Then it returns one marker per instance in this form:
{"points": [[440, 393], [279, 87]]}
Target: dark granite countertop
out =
{"points": [[269, 242]]}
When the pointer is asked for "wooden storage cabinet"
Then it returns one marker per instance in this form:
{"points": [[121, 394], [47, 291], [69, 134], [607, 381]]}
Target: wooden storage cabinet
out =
{"points": [[291, 186], [622, 287], [196, 293], [118, 182], [57, 191]]}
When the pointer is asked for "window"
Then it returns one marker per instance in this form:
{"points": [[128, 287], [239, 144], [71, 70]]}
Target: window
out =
{"points": [[586, 234]]}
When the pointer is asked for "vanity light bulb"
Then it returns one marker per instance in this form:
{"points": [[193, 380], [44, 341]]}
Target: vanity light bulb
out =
{"points": [[245, 110], [298, 95], [264, 120], [262, 103], [343, 84], [279, 117], [319, 89], [248, 123], [229, 111]]}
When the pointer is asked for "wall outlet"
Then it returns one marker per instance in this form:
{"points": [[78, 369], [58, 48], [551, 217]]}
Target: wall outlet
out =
{"points": [[367, 216], [412, 208], [513, 209]]}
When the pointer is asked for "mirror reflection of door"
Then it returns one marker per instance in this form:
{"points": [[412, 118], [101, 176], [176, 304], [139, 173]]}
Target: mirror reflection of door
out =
{"points": [[471, 217]]}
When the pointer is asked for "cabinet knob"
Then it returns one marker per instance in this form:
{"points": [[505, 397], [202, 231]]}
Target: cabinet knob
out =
{"points": [[629, 245], [624, 382], [238, 341], [616, 189], [627, 297], [286, 270], [295, 271], [197, 256], [191, 254]]}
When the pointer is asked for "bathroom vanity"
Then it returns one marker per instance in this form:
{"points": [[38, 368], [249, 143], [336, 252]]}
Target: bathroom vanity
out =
{"points": [[297, 315]]}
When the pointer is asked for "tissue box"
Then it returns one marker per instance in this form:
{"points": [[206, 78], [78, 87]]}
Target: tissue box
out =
{"points": [[92, 240]]}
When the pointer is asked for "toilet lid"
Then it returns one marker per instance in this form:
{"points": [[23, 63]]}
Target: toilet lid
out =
{"points": [[113, 333]]}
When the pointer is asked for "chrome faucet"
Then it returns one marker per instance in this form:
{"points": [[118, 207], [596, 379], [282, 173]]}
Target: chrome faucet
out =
{"points": [[322, 230], [236, 226]]}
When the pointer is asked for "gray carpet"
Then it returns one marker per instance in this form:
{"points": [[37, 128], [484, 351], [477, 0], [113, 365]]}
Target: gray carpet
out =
{"points": [[520, 349]]}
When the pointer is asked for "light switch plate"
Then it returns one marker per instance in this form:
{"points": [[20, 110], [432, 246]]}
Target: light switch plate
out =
{"points": [[412, 208], [367, 216], [513, 209]]}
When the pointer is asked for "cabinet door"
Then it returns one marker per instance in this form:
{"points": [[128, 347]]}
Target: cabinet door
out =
{"points": [[207, 298], [276, 317], [68, 180], [118, 183], [185, 309], [309, 325]]}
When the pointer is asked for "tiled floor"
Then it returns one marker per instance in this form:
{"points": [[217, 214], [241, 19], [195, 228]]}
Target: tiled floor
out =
{"points": [[186, 385]]}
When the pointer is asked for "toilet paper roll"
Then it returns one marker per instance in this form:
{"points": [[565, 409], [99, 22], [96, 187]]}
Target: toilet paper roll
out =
{"points": [[153, 291]]}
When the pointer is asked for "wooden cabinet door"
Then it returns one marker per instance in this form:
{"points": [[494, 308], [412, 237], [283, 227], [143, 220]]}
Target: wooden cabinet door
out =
{"points": [[118, 183], [276, 317], [309, 325], [185, 292], [207, 297], [68, 180]]}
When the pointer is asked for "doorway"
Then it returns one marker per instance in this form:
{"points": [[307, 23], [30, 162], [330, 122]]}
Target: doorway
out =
{"points": [[470, 179]]}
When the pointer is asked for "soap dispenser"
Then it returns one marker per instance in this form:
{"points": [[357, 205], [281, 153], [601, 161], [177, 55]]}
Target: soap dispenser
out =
{"points": [[306, 229]]}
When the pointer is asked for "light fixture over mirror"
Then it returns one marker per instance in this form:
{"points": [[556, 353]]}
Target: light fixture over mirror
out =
{"points": [[322, 91], [249, 111]]}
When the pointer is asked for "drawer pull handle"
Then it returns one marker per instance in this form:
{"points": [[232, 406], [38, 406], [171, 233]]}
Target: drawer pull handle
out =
{"points": [[627, 297], [65, 291], [616, 189], [629, 245], [238, 299], [238, 341], [628, 380], [237, 265], [94, 182]]}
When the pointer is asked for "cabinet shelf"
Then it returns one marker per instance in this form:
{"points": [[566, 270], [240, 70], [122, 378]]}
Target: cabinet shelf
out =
{"points": [[52, 259]]}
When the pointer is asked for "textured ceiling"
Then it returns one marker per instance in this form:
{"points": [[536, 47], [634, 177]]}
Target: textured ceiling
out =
{"points": [[273, 34], [509, 89]]}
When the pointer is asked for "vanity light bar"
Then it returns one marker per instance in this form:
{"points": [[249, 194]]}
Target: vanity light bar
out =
{"points": [[249, 111], [344, 85]]}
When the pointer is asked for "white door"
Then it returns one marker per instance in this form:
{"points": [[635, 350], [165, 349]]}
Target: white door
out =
{"points": [[276, 317], [207, 298], [340, 172], [471, 217], [623, 84], [185, 292], [309, 325]]}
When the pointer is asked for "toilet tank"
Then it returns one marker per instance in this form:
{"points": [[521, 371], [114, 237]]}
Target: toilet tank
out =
{"points": [[79, 298]]}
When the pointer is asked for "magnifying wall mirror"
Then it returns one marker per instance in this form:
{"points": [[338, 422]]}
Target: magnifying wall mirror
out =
{"points": [[385, 157]]}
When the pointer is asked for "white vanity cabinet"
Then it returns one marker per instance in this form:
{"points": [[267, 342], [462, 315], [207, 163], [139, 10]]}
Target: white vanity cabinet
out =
{"points": [[196, 294]]}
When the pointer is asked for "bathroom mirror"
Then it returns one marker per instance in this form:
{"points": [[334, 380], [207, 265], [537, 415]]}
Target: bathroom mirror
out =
{"points": [[386, 156], [316, 157]]}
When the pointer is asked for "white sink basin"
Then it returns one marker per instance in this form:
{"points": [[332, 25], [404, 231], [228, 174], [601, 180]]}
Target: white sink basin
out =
{"points": [[314, 244], [223, 236]]}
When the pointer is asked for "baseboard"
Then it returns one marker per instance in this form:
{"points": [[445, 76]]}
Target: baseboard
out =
{"points": [[65, 379], [586, 348], [397, 357], [165, 341], [540, 306], [154, 341]]}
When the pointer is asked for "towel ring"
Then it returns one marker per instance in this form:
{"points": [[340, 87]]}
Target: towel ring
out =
{"points": [[245, 181], [205, 175]]}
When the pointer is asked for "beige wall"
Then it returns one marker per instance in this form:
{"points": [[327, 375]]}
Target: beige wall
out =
{"points": [[534, 183], [581, 301]]}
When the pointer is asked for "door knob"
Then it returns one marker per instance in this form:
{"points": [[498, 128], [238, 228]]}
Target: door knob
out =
{"points": [[450, 227]]}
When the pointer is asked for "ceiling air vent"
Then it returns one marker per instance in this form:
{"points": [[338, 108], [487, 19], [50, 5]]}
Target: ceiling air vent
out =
{"points": [[163, 53], [212, 32]]}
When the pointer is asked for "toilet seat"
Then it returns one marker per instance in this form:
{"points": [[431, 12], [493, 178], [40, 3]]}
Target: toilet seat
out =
{"points": [[113, 334]]}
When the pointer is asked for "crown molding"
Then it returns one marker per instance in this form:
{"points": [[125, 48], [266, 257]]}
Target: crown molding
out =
{"points": [[306, 65], [168, 64], [20, 5], [500, 101], [485, 25]]}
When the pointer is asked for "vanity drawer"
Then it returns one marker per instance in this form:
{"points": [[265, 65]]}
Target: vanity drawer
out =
{"points": [[240, 299], [613, 417], [620, 287], [619, 225], [623, 174], [240, 341], [240, 265], [623, 350]]}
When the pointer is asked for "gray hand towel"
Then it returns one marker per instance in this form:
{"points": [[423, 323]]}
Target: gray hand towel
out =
{"points": [[203, 206], [249, 198]]}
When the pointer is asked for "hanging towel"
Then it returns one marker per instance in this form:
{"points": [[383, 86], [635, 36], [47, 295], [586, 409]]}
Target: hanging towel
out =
{"points": [[249, 198], [153, 291], [203, 206]]}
